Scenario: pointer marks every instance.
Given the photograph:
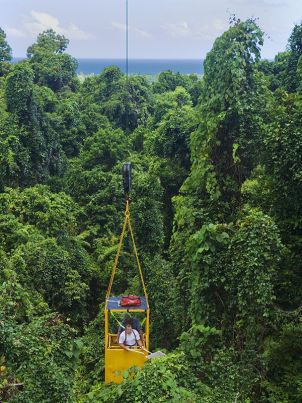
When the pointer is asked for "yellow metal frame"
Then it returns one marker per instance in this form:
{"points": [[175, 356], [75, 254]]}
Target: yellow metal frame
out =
{"points": [[127, 221], [117, 359]]}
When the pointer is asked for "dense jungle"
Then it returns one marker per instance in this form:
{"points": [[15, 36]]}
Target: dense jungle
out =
{"points": [[216, 210]]}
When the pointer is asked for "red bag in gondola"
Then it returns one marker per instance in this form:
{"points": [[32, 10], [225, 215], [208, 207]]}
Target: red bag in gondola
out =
{"points": [[130, 300]]}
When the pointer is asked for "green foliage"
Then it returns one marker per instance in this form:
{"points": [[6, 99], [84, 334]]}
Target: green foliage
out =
{"points": [[173, 122], [93, 179], [5, 49], [38, 229], [169, 81], [294, 45], [282, 153], [5, 54], [234, 271], [167, 379], [51, 66], [19, 90], [199, 344], [275, 71], [126, 101], [229, 259], [29, 137], [90, 367], [283, 358], [146, 207], [168, 102], [231, 376], [171, 139], [48, 41], [52, 214], [222, 155], [163, 303], [276, 187], [37, 353]]}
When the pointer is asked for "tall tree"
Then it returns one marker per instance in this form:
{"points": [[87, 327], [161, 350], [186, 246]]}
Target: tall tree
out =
{"points": [[5, 53], [292, 81], [52, 67], [5, 49], [29, 132], [224, 151], [126, 101]]}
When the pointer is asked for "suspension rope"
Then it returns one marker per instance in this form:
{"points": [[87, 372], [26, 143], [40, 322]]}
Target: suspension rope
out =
{"points": [[117, 321], [127, 39], [137, 260], [127, 221], [118, 251]]}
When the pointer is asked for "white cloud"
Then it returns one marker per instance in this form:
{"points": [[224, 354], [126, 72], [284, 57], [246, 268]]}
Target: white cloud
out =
{"points": [[184, 30], [39, 22], [134, 30], [14, 32], [178, 30]]}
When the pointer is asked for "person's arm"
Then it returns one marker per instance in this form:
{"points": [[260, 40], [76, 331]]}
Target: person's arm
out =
{"points": [[139, 341], [124, 347], [140, 344]]}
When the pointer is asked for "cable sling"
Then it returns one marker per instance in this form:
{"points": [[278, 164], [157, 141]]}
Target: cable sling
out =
{"points": [[127, 222]]}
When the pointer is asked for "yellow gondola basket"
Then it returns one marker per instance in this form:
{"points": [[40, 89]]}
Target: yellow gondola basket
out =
{"points": [[118, 360]]}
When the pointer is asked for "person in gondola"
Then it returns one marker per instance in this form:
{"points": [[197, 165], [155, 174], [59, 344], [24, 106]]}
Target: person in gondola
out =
{"points": [[130, 338], [135, 324]]}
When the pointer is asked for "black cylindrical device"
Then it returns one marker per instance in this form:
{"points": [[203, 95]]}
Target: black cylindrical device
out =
{"points": [[127, 177]]}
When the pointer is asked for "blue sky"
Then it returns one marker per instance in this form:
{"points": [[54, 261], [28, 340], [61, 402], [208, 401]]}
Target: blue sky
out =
{"points": [[158, 29]]}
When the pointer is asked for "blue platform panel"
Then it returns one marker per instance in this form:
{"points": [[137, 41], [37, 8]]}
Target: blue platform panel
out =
{"points": [[115, 303]]}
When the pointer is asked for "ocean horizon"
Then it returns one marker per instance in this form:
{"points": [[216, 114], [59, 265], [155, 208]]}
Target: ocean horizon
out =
{"points": [[142, 66], [89, 66]]}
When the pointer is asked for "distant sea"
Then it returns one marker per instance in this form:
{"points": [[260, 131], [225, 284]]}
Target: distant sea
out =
{"points": [[139, 66], [142, 66]]}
